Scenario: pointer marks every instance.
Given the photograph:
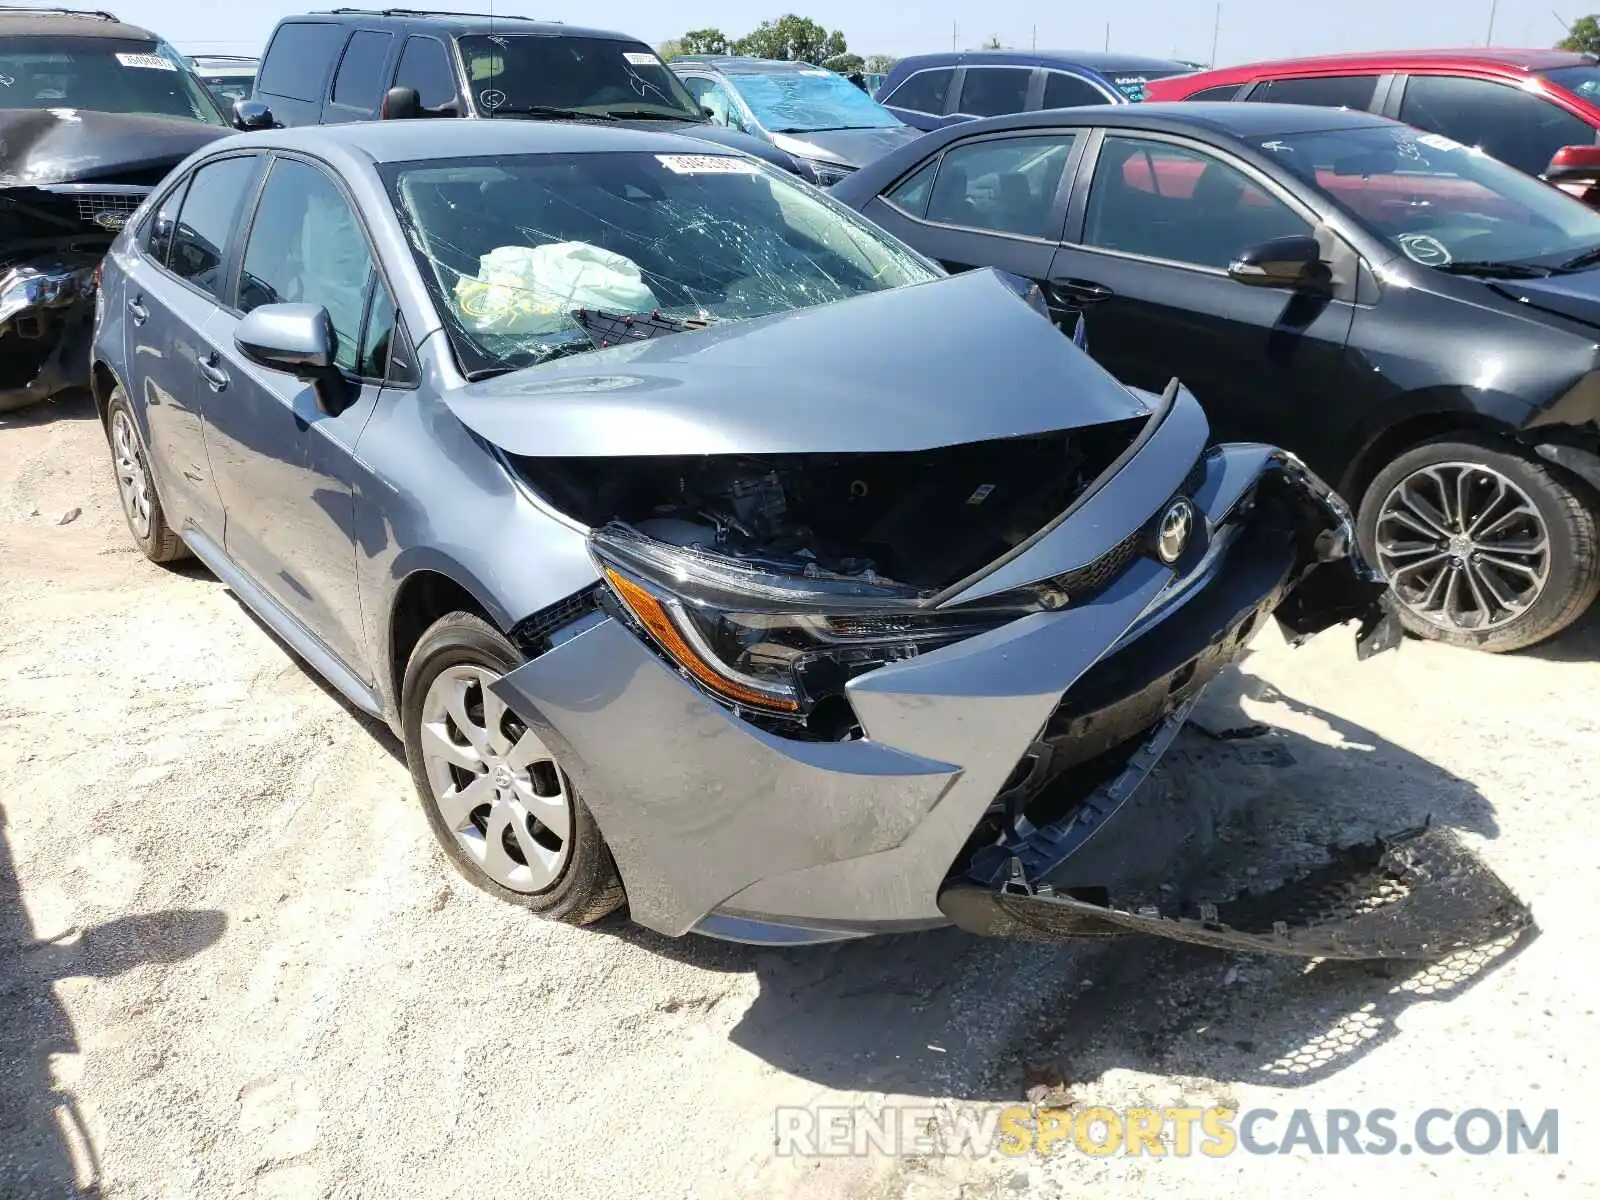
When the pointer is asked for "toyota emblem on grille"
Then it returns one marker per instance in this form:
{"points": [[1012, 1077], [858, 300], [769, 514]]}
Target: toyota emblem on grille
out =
{"points": [[1173, 537], [107, 219]]}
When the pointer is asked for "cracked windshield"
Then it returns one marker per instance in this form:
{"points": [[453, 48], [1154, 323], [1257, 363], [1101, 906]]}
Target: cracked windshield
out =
{"points": [[811, 101], [522, 75], [514, 248]]}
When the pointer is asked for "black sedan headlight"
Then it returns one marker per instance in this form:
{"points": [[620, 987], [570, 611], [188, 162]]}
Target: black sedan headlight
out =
{"points": [[765, 638], [824, 174]]}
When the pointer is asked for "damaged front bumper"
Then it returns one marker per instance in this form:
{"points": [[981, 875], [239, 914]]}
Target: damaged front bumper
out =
{"points": [[1002, 753], [46, 323]]}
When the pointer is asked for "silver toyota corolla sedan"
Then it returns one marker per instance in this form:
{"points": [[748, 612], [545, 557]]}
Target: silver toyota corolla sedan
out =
{"points": [[710, 550]]}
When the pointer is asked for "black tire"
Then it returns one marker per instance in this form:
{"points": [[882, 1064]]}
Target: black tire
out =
{"points": [[160, 542], [588, 886], [1571, 516]]}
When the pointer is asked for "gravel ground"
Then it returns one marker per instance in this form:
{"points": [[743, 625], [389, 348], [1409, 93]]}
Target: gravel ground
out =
{"points": [[239, 967]]}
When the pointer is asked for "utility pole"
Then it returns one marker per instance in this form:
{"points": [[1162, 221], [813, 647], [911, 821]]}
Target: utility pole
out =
{"points": [[954, 34], [1216, 32], [1493, 5], [1033, 43], [1108, 35]]}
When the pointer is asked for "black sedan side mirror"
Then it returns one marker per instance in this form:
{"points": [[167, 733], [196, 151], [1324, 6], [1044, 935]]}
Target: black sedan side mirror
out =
{"points": [[252, 115], [1286, 262], [401, 104], [297, 339]]}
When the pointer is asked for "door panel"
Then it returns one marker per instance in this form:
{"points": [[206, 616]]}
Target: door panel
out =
{"points": [[1163, 222], [285, 468]]}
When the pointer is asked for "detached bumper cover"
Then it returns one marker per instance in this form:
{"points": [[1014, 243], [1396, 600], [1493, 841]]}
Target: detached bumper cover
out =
{"points": [[713, 821]]}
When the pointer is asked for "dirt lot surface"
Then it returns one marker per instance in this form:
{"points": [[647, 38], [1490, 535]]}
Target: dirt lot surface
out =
{"points": [[239, 967]]}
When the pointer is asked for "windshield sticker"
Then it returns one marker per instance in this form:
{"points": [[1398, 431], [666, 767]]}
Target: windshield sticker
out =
{"points": [[816, 74], [503, 42], [1424, 250], [706, 164], [1437, 141], [639, 59], [491, 99], [147, 62]]}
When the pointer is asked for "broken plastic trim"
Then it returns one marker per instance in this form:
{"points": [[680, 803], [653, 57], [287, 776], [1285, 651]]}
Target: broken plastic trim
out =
{"points": [[1420, 894]]}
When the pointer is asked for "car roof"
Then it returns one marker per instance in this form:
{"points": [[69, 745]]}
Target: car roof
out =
{"points": [[44, 22], [1402, 60], [1240, 122], [404, 141], [457, 24], [1093, 60]]}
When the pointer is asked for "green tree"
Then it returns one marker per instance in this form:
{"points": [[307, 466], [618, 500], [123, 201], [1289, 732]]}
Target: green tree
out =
{"points": [[880, 64], [705, 41], [670, 49], [797, 39], [846, 64], [1584, 36]]}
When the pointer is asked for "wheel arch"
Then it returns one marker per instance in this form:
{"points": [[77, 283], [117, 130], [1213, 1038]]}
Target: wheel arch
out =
{"points": [[1420, 417], [430, 589], [102, 382]]}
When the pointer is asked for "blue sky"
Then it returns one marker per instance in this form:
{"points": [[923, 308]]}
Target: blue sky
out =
{"points": [[1250, 29]]}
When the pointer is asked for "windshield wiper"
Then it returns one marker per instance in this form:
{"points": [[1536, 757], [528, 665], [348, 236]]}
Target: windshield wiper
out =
{"points": [[1496, 270], [551, 111], [650, 114], [1588, 258]]}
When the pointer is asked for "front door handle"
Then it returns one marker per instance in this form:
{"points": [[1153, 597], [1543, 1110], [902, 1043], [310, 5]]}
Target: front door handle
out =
{"points": [[137, 310], [1081, 291], [216, 378]]}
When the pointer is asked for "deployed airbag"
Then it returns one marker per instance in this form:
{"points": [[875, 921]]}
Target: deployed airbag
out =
{"points": [[534, 289]]}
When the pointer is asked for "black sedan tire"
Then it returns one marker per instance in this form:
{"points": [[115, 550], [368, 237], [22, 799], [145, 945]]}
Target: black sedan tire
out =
{"points": [[1484, 547], [500, 805]]}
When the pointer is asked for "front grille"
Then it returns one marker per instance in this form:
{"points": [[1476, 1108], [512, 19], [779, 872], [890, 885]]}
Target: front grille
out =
{"points": [[1102, 572], [533, 634], [108, 210]]}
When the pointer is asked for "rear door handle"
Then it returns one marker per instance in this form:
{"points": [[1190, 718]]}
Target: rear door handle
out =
{"points": [[1081, 291], [138, 311], [216, 378]]}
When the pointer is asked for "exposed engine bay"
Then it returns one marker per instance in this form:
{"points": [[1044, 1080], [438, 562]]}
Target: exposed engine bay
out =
{"points": [[914, 520]]}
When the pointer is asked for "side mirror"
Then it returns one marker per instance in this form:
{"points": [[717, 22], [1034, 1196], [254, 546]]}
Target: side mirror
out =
{"points": [[400, 104], [252, 115], [709, 112], [1286, 262], [1576, 171], [297, 339]]}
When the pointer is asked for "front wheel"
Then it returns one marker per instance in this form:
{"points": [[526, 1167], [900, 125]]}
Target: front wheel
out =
{"points": [[141, 506], [498, 801], [1483, 548]]}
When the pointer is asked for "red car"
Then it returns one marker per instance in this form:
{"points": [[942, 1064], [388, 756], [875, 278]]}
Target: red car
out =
{"points": [[1538, 110]]}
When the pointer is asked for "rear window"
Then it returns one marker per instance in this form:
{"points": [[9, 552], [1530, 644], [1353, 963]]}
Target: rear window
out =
{"points": [[114, 75], [1135, 84], [297, 62]]}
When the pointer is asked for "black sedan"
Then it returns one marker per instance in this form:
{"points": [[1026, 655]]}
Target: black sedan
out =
{"points": [[1416, 320]]}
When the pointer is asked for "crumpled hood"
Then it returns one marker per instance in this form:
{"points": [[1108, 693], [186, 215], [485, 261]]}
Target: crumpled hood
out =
{"points": [[1576, 297], [42, 146], [849, 147], [957, 360]]}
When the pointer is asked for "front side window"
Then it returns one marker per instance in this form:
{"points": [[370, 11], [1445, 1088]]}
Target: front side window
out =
{"points": [[1224, 91], [924, 92], [359, 83], [994, 91], [1327, 91], [808, 101], [206, 222], [1069, 91], [1159, 200], [512, 246], [298, 59], [116, 75], [307, 247], [1440, 203], [521, 73], [1007, 185], [911, 194], [425, 67], [714, 99], [1515, 126]]}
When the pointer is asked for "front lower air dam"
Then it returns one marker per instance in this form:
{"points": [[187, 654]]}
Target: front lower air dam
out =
{"points": [[1419, 895]]}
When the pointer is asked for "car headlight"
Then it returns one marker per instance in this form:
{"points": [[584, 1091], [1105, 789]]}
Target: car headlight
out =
{"points": [[767, 639], [825, 174]]}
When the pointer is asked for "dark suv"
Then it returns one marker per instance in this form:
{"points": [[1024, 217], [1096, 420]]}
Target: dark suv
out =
{"points": [[360, 65]]}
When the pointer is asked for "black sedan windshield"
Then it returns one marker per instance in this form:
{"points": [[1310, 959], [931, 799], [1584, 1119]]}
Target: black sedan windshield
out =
{"points": [[102, 74], [513, 248], [512, 74], [1438, 202]]}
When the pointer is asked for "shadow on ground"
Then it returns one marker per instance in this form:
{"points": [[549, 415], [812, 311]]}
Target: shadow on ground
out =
{"points": [[946, 1014], [44, 1148], [69, 406]]}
